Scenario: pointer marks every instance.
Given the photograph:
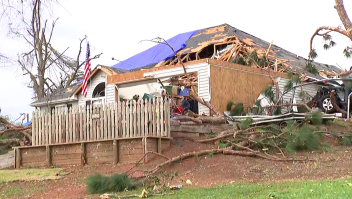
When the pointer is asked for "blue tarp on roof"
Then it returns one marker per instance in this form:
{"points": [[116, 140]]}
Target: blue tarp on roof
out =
{"points": [[157, 53]]}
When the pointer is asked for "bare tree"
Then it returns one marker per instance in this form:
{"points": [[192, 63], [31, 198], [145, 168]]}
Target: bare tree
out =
{"points": [[325, 30], [48, 68]]}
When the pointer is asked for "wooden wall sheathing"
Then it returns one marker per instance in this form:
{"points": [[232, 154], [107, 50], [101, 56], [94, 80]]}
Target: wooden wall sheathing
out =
{"points": [[227, 84]]}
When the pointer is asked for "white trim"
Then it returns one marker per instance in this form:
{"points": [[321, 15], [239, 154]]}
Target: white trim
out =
{"points": [[174, 71]]}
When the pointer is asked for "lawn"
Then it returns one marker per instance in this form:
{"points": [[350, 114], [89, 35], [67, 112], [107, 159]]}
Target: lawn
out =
{"points": [[30, 174], [38, 176], [300, 189]]}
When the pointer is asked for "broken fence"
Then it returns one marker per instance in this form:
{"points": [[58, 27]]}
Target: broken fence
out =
{"points": [[128, 119]]}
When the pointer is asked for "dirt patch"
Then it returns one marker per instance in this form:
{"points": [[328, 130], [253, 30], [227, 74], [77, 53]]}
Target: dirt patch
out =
{"points": [[203, 171]]}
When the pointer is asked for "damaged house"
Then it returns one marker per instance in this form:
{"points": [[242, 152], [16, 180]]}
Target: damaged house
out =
{"points": [[221, 62], [218, 59]]}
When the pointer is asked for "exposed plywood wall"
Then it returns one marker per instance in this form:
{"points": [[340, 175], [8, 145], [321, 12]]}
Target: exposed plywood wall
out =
{"points": [[237, 85]]}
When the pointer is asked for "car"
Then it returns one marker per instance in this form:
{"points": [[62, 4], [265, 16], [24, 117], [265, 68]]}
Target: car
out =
{"points": [[322, 99]]}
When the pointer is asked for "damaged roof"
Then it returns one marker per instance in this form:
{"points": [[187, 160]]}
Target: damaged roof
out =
{"points": [[218, 34]]}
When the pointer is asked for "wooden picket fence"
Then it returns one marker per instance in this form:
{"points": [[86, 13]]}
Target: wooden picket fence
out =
{"points": [[119, 120]]}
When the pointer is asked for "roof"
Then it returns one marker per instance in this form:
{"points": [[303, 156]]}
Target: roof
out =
{"points": [[157, 53], [66, 93], [60, 94], [217, 34]]}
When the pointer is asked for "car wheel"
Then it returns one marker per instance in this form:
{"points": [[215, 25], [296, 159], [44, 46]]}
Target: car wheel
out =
{"points": [[326, 105]]}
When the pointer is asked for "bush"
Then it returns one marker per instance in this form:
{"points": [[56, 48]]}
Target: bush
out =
{"points": [[98, 183]]}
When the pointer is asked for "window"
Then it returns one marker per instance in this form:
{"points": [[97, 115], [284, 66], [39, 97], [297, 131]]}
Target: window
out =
{"points": [[99, 90]]}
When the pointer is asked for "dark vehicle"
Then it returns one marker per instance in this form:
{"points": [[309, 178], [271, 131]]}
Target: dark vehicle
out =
{"points": [[322, 99]]}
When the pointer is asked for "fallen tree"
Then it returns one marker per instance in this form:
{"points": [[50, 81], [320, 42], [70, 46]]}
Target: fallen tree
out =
{"points": [[14, 135], [260, 141]]}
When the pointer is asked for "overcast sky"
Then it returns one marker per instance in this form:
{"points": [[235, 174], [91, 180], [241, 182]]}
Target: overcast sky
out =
{"points": [[116, 27]]}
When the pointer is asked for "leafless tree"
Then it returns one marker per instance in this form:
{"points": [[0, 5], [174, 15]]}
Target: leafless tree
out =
{"points": [[48, 68]]}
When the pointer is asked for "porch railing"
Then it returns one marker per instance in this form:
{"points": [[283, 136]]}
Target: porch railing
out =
{"points": [[118, 120]]}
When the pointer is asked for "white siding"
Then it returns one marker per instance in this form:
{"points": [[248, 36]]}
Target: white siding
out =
{"points": [[203, 70], [204, 88], [110, 93], [309, 90], [139, 88], [98, 78]]}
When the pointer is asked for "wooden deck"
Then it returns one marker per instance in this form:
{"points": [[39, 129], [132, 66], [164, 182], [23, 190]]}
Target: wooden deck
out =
{"points": [[115, 133]]}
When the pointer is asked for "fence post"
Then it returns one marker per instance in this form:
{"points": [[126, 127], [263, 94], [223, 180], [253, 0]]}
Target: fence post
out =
{"points": [[95, 123], [80, 123], [18, 158], [142, 118], [48, 156], [139, 103], [91, 123], [150, 117], [50, 127], [168, 117], [83, 154], [74, 125], [116, 151], [87, 126], [123, 120], [33, 129], [117, 115], [131, 118], [67, 124], [98, 122], [112, 115], [101, 122], [134, 118], [109, 121], [127, 119], [154, 116], [161, 116]]}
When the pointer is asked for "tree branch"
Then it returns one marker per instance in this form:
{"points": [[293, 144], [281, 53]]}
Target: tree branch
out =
{"points": [[335, 29]]}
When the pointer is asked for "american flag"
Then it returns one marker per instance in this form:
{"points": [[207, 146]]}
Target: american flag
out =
{"points": [[86, 73]]}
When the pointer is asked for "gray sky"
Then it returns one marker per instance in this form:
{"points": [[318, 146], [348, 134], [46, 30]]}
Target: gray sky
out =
{"points": [[116, 27]]}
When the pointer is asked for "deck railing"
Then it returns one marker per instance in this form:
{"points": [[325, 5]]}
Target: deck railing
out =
{"points": [[118, 120]]}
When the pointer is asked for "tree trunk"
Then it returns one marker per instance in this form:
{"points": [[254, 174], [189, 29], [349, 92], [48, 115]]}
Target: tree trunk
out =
{"points": [[344, 17]]}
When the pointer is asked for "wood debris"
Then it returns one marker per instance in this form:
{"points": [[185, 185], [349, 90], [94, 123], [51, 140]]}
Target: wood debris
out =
{"points": [[328, 74]]}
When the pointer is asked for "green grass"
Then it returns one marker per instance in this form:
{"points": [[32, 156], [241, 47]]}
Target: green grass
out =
{"points": [[9, 190], [30, 174], [300, 189]]}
